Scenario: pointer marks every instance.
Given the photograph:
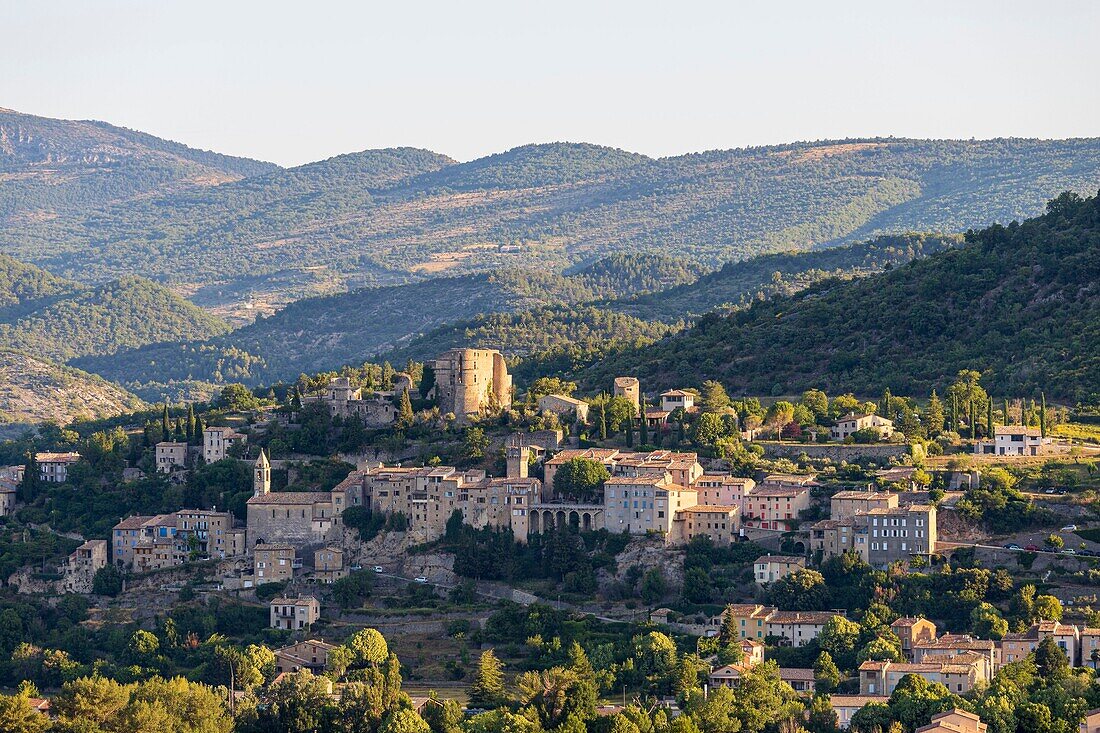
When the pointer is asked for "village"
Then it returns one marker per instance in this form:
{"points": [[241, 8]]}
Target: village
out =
{"points": [[564, 476]]}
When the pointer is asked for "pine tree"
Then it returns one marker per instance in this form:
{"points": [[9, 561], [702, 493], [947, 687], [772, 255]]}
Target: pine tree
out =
{"points": [[1043, 414], [488, 688], [933, 416], [296, 400], [643, 427], [405, 410]]}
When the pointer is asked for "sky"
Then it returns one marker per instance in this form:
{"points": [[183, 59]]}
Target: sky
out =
{"points": [[293, 82]]}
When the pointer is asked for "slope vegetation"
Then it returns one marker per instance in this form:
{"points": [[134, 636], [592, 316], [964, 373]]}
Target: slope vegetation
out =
{"points": [[52, 167], [33, 390], [388, 216], [1019, 303]]}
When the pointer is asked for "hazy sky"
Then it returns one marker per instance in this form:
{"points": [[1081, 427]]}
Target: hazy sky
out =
{"points": [[292, 82]]}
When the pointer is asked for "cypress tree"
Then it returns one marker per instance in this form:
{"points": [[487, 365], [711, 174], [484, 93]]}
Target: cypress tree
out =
{"points": [[199, 427], [1006, 420], [629, 432], [165, 424], [954, 411], [32, 478], [1043, 414], [885, 410], [973, 420], [405, 411], [989, 418], [643, 427], [190, 422], [603, 419]]}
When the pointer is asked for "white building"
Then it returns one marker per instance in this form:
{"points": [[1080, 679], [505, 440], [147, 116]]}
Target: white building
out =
{"points": [[294, 613], [216, 442], [1013, 440], [54, 467]]}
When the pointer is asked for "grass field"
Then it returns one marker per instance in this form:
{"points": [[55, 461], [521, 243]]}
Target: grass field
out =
{"points": [[1084, 432]]}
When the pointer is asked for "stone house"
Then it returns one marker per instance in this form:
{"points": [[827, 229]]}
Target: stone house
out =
{"points": [[216, 442], [845, 504], [1013, 440], [564, 406], [170, 455], [311, 655], [959, 674], [79, 569], [273, 563], [328, 564], [912, 631], [851, 423], [54, 467], [294, 614], [628, 388], [770, 568], [375, 411]]}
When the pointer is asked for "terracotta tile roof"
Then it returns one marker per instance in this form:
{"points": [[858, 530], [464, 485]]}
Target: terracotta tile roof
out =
{"points": [[855, 701], [796, 673], [57, 457], [800, 617], [134, 522], [863, 495], [292, 497], [710, 509]]}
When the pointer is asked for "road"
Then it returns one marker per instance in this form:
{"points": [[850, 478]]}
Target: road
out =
{"points": [[952, 545]]}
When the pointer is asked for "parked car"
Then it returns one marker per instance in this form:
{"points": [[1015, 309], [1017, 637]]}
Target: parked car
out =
{"points": [[378, 569], [1069, 528], [421, 579], [357, 567], [1032, 548], [1013, 546], [1069, 551]]}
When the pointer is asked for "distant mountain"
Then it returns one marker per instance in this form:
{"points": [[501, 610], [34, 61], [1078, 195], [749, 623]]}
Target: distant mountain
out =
{"points": [[60, 319], [33, 389], [53, 167], [1020, 304], [317, 334], [391, 216]]}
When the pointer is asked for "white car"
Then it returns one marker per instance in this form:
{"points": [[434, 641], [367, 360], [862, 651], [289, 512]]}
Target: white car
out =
{"points": [[378, 569], [421, 579], [1069, 528]]}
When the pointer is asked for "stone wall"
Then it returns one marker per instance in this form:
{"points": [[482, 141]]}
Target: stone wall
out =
{"points": [[835, 451]]}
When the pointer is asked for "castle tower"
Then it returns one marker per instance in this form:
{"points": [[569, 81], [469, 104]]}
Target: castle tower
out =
{"points": [[261, 476], [629, 388], [517, 457]]}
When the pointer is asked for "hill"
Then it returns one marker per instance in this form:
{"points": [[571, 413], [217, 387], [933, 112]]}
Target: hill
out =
{"points": [[739, 284], [33, 390], [1018, 303], [322, 333], [52, 167], [391, 216], [67, 320]]}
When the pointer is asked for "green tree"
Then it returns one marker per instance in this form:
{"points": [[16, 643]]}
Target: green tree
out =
{"points": [[779, 416], [802, 590], [654, 586], [487, 690], [404, 411], [443, 716], [476, 443], [404, 720], [1048, 608], [817, 402], [933, 416], [709, 428], [367, 646], [107, 581], [698, 587], [1051, 659], [237, 398], [143, 644], [713, 397], [31, 483], [580, 478], [826, 674]]}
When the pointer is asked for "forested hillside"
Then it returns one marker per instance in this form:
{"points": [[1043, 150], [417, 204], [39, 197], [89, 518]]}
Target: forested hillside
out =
{"points": [[50, 167], [76, 320], [740, 284], [321, 333], [390, 216], [1018, 303]]}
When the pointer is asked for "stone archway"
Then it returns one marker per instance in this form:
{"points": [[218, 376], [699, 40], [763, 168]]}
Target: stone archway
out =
{"points": [[534, 523], [559, 520], [586, 521], [574, 519]]}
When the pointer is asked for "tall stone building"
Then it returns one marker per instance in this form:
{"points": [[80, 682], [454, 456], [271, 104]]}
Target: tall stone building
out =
{"points": [[517, 457], [468, 381], [261, 475], [629, 388]]}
